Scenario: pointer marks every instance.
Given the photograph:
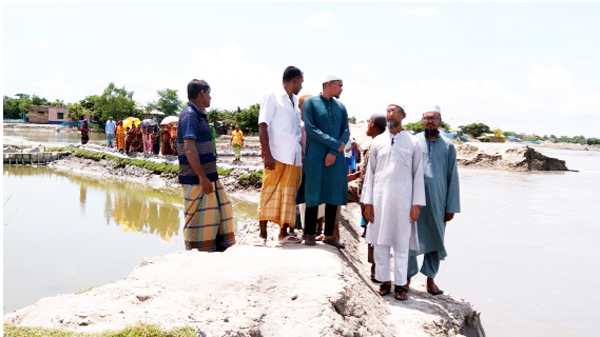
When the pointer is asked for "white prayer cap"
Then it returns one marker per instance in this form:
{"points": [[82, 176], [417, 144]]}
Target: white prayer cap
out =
{"points": [[331, 76], [432, 107]]}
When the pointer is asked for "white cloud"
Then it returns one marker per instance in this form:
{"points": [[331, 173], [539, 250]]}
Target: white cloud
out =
{"points": [[421, 12], [319, 20]]}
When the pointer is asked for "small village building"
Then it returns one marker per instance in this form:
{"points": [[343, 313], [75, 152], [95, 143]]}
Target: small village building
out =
{"points": [[44, 114]]}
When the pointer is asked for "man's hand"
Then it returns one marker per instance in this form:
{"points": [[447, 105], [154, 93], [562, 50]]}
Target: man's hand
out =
{"points": [[329, 159], [415, 211], [369, 214], [342, 147], [269, 162], [207, 186], [448, 217]]}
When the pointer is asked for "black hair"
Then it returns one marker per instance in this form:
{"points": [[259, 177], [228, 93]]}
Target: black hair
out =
{"points": [[195, 86], [290, 73]]}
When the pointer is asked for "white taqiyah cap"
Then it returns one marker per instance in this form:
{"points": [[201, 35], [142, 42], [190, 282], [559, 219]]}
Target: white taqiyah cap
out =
{"points": [[331, 76], [432, 107]]}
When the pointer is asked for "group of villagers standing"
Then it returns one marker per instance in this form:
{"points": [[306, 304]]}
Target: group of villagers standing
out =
{"points": [[147, 139], [408, 185]]}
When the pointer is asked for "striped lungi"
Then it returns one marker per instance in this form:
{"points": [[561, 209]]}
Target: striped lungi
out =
{"points": [[208, 219], [278, 194]]}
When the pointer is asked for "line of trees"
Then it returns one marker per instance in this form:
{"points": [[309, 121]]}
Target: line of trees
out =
{"points": [[477, 129]]}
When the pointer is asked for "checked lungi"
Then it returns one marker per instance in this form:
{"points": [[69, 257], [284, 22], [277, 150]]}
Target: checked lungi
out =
{"points": [[278, 194], [208, 219]]}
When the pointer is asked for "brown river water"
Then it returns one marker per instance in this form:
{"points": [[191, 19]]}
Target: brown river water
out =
{"points": [[524, 249]]}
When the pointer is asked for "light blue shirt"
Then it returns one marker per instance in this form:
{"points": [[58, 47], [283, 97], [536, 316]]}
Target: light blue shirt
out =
{"points": [[110, 127]]}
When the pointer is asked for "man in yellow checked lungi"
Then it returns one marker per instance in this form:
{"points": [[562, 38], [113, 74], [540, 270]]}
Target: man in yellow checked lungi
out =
{"points": [[280, 136], [207, 209]]}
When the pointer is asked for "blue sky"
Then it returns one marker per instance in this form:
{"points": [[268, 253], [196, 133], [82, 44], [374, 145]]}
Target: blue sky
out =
{"points": [[523, 67]]}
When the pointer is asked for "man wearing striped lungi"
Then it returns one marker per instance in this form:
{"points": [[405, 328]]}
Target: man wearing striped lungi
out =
{"points": [[208, 213], [280, 136]]}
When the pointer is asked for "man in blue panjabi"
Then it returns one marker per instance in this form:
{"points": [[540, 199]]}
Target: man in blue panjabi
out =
{"points": [[326, 124], [443, 197]]}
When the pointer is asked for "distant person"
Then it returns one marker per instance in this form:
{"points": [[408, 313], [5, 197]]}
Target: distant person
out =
{"points": [[326, 124], [165, 140], [443, 197], [393, 192], [155, 139], [280, 136], [237, 141], [207, 209], [134, 137], [213, 134], [120, 131], [146, 139], [85, 137], [109, 129], [173, 133], [375, 126]]}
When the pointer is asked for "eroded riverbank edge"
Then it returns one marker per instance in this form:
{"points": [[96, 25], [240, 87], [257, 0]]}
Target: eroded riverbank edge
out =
{"points": [[248, 291]]}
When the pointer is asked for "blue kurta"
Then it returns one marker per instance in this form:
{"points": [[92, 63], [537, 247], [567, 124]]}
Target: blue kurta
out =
{"points": [[326, 124], [441, 190]]}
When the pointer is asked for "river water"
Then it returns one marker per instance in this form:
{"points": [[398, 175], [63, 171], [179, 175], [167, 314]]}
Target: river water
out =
{"points": [[524, 249]]}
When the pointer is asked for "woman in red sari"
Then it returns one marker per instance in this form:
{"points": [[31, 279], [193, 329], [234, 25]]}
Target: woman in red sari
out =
{"points": [[165, 140], [85, 137], [134, 136]]}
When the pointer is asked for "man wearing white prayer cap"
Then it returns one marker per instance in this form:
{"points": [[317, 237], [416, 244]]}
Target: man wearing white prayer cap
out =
{"points": [[443, 197], [393, 192], [326, 182]]}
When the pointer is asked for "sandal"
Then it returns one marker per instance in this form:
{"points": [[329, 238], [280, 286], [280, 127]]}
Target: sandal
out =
{"points": [[260, 242], [436, 291], [290, 239], [385, 288], [400, 293]]}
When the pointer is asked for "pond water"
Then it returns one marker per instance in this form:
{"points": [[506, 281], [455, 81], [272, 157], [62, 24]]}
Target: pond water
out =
{"points": [[52, 138], [66, 233]]}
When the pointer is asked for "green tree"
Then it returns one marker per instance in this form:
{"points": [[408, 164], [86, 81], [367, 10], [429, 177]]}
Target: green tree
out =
{"points": [[418, 126], [58, 102], [168, 102], [77, 110], [247, 119], [11, 108], [36, 100], [474, 129], [352, 120], [115, 102]]}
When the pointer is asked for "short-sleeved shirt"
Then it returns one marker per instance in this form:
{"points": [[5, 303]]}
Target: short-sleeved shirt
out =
{"points": [[237, 137], [283, 121], [193, 124]]}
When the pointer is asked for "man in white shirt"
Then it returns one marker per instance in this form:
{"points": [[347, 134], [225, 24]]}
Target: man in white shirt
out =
{"points": [[280, 138], [393, 192]]}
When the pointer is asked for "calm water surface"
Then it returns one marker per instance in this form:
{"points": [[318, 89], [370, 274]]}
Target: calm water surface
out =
{"points": [[51, 137], [65, 233], [524, 249]]}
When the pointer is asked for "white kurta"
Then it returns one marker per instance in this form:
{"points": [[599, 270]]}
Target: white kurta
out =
{"points": [[393, 183]]}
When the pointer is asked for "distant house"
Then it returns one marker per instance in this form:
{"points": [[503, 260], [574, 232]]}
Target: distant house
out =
{"points": [[43, 114]]}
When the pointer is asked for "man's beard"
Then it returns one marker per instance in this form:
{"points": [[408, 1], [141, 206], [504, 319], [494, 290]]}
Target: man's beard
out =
{"points": [[431, 132], [393, 124]]}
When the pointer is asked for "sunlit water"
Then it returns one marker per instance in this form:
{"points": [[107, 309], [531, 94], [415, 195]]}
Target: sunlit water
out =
{"points": [[65, 233], [524, 249], [52, 138]]}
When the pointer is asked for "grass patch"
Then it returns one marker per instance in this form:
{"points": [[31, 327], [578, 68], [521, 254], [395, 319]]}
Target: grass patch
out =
{"points": [[152, 166], [254, 179], [61, 149], [224, 172], [138, 330]]}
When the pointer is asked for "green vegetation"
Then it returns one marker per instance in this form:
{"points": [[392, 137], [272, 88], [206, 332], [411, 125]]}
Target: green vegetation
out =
{"points": [[138, 330], [475, 129], [253, 179], [352, 120], [418, 126], [247, 119], [61, 149], [14, 107], [224, 172], [168, 102], [155, 167]]}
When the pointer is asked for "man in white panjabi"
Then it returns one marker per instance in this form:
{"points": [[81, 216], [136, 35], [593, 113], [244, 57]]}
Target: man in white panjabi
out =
{"points": [[393, 192]]}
